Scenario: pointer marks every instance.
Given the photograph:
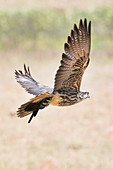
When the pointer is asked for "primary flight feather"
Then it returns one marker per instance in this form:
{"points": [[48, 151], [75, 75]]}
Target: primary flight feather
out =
{"points": [[68, 78]]}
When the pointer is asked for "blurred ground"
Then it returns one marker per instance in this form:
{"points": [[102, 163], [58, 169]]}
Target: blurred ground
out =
{"points": [[77, 137]]}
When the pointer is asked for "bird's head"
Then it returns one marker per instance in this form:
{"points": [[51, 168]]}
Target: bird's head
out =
{"points": [[83, 95]]}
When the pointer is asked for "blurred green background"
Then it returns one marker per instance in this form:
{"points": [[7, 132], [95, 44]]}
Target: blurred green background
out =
{"points": [[46, 28], [79, 137]]}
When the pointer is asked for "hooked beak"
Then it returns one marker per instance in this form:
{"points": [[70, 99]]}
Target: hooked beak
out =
{"points": [[88, 96]]}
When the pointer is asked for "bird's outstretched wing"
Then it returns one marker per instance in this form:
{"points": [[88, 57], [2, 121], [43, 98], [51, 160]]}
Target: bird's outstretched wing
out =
{"points": [[75, 59], [31, 86]]}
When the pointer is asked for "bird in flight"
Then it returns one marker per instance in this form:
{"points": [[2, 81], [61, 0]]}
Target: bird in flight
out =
{"points": [[68, 78]]}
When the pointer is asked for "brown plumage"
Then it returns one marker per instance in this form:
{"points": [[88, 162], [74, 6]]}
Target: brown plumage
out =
{"points": [[68, 77], [75, 59]]}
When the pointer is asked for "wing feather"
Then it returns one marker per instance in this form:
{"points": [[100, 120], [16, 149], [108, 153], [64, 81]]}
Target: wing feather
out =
{"points": [[30, 85], [75, 59]]}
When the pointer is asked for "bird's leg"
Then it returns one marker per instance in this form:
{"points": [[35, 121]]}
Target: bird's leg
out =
{"points": [[42, 105], [31, 118], [33, 115]]}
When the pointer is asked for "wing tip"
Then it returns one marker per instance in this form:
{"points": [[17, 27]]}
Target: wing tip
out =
{"points": [[85, 20], [76, 29], [26, 72], [80, 24], [16, 72], [89, 27], [66, 47]]}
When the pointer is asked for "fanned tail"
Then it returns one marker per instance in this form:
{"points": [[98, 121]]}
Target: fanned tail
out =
{"points": [[33, 106]]}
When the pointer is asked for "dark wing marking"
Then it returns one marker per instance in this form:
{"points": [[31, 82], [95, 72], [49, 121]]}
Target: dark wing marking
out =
{"points": [[75, 59], [30, 85]]}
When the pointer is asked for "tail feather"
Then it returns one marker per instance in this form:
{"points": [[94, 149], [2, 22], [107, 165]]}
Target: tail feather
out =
{"points": [[24, 111], [36, 103]]}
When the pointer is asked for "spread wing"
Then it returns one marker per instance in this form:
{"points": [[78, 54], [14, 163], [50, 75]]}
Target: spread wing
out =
{"points": [[75, 59], [30, 85]]}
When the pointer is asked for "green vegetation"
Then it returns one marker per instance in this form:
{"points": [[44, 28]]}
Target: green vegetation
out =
{"points": [[46, 28]]}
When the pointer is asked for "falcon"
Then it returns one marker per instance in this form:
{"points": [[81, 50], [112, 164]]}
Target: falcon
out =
{"points": [[66, 91]]}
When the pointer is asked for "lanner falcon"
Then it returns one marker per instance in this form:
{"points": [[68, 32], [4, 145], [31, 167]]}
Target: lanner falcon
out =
{"points": [[68, 78]]}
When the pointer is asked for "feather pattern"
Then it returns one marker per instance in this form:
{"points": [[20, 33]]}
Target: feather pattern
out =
{"points": [[33, 104], [75, 59], [66, 92], [30, 85]]}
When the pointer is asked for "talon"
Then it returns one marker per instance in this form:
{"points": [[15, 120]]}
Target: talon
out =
{"points": [[30, 118], [33, 115]]}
